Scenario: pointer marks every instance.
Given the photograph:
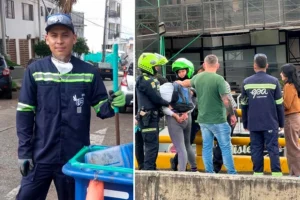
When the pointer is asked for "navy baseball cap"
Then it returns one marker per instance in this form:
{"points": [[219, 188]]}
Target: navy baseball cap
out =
{"points": [[59, 19]]}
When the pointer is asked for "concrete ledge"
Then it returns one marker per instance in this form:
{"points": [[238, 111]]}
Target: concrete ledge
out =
{"points": [[165, 185]]}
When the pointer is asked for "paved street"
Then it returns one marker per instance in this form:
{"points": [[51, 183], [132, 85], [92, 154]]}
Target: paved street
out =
{"points": [[102, 132]]}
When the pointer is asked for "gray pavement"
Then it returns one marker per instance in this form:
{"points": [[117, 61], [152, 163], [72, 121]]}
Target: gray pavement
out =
{"points": [[102, 132]]}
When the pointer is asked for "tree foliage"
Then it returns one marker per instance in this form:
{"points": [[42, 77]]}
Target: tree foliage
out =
{"points": [[65, 5], [81, 47], [42, 49]]}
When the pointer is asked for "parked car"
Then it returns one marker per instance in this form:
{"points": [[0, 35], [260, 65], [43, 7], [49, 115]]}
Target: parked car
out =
{"points": [[106, 70], [5, 79], [127, 86]]}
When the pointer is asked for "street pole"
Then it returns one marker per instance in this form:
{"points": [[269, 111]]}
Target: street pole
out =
{"points": [[39, 20], [115, 88], [2, 13], [104, 32]]}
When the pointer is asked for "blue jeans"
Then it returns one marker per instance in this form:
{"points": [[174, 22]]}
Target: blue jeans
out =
{"points": [[222, 133]]}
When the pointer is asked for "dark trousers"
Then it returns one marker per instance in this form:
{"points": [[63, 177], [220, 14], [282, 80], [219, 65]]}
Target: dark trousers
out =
{"points": [[150, 135], [258, 141], [36, 184], [194, 130], [139, 149]]}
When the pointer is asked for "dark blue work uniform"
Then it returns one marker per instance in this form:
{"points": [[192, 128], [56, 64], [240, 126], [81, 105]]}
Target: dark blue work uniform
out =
{"points": [[149, 99], [53, 122], [263, 114]]}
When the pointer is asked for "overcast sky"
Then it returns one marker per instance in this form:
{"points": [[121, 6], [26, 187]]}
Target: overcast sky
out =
{"points": [[94, 12]]}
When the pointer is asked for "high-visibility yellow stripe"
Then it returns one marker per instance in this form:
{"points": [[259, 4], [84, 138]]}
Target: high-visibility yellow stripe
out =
{"points": [[279, 101], [98, 106], [67, 78], [148, 130], [25, 107], [260, 86]]}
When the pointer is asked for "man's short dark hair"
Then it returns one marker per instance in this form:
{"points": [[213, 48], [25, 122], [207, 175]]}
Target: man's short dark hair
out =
{"points": [[261, 60]]}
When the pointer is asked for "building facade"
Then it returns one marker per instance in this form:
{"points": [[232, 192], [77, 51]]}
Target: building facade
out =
{"points": [[113, 31], [22, 27], [234, 30]]}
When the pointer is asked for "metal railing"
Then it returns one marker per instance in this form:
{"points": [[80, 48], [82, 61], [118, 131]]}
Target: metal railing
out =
{"points": [[219, 15]]}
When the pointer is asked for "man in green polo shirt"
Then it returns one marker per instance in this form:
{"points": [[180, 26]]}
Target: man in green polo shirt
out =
{"points": [[213, 103]]}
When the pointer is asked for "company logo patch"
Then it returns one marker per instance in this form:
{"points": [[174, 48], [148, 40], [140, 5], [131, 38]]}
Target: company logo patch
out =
{"points": [[79, 102], [259, 93]]}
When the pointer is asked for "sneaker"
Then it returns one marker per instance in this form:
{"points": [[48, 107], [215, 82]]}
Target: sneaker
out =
{"points": [[194, 170], [173, 165]]}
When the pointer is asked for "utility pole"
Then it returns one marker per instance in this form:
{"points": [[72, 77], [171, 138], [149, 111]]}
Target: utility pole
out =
{"points": [[104, 33], [2, 13], [39, 19]]}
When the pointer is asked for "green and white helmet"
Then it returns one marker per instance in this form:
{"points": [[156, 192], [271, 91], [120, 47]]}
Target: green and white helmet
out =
{"points": [[183, 63], [147, 61]]}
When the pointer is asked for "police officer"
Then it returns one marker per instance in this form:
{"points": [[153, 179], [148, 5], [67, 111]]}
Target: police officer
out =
{"points": [[149, 106], [53, 113]]}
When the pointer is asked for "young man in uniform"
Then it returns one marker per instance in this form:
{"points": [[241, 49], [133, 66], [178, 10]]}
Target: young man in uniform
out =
{"points": [[263, 114], [149, 108], [54, 111]]}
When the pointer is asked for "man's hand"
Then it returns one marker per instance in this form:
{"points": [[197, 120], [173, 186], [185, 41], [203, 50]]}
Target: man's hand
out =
{"points": [[118, 98], [184, 116], [25, 166], [233, 120], [178, 119], [185, 83], [280, 129], [179, 82]]}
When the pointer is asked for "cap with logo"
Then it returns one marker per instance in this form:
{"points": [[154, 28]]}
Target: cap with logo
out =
{"points": [[59, 19]]}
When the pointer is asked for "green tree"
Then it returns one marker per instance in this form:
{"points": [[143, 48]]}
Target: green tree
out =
{"points": [[81, 47], [42, 49]]}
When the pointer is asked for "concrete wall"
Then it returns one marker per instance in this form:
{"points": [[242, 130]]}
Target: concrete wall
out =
{"points": [[167, 185]]}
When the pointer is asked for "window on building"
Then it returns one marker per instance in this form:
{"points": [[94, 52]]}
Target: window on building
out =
{"points": [[118, 30], [111, 31], [42, 11], [118, 9], [10, 10], [27, 11]]}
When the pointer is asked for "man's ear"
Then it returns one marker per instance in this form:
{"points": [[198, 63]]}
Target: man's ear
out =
{"points": [[74, 39], [46, 39], [267, 66]]}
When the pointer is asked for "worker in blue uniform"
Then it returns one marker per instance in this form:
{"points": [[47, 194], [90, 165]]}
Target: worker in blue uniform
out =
{"points": [[149, 106], [263, 115], [54, 111]]}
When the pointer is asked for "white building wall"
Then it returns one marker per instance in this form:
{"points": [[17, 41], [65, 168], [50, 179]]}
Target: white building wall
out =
{"points": [[18, 28]]}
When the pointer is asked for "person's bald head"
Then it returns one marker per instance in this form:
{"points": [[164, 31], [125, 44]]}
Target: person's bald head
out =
{"points": [[211, 62]]}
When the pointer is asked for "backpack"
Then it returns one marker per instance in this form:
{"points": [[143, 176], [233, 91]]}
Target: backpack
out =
{"points": [[181, 98]]}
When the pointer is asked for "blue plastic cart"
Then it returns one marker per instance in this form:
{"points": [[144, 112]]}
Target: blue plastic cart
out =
{"points": [[118, 181]]}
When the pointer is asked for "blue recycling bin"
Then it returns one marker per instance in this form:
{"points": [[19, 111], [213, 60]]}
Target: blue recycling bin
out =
{"points": [[118, 180]]}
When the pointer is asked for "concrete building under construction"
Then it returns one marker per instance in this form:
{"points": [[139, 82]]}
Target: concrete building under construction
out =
{"points": [[234, 30]]}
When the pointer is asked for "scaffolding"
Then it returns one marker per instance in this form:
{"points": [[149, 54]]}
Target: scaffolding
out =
{"points": [[194, 17]]}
